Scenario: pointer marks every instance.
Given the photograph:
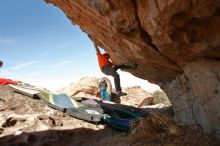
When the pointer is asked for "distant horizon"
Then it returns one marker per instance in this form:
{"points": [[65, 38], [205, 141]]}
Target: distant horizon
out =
{"points": [[40, 46]]}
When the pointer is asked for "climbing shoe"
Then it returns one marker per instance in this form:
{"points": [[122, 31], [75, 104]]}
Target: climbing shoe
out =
{"points": [[134, 65], [119, 93]]}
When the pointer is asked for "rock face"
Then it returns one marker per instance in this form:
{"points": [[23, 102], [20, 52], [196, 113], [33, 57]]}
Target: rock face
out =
{"points": [[196, 95], [166, 39]]}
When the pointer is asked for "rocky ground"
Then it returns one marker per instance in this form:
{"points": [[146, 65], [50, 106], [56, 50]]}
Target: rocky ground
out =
{"points": [[27, 121]]}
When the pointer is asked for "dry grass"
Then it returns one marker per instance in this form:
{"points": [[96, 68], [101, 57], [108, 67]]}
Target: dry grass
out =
{"points": [[160, 130], [156, 122]]}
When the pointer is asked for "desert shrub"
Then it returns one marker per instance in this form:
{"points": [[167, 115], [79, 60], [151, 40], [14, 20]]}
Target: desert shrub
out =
{"points": [[160, 97]]}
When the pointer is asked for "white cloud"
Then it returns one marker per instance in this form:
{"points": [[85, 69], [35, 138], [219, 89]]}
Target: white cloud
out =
{"points": [[53, 84], [25, 64]]}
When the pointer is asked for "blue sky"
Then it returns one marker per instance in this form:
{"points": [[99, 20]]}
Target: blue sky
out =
{"points": [[39, 45]]}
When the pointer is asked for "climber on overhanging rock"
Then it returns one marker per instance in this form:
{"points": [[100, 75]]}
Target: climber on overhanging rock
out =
{"points": [[108, 68]]}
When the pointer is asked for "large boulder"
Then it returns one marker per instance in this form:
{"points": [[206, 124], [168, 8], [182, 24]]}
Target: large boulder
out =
{"points": [[86, 87], [136, 96], [165, 39], [161, 36]]}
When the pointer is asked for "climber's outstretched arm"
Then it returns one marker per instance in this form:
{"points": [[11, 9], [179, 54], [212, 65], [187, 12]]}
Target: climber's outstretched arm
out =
{"points": [[95, 44]]}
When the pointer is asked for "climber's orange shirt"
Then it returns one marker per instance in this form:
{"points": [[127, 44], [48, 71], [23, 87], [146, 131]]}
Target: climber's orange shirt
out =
{"points": [[103, 61]]}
